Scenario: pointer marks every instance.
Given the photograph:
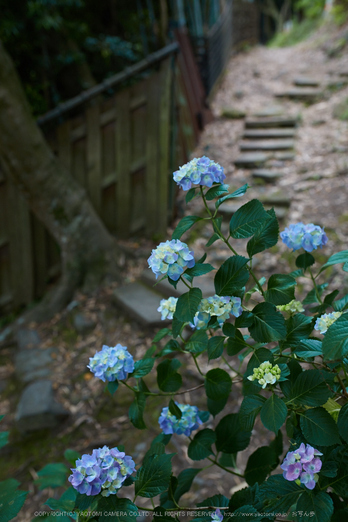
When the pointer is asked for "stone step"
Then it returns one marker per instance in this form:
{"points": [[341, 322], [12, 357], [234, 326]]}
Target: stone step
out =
{"points": [[267, 145], [269, 176], [140, 302], [302, 94], [306, 81], [272, 110], [205, 283], [269, 122], [250, 160], [278, 198], [232, 113], [255, 134], [284, 155]]}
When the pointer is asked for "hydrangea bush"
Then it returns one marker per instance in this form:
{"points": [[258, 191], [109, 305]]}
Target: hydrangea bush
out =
{"points": [[287, 356]]}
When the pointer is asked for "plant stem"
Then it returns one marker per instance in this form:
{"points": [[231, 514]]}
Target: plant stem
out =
{"points": [[198, 368], [169, 394], [315, 286], [225, 469]]}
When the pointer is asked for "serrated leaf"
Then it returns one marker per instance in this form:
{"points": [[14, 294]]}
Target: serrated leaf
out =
{"points": [[335, 342], [309, 348], [170, 347], [230, 438], [311, 297], [236, 194], [340, 304], [200, 447], [268, 325], [136, 411], [122, 509], [184, 224], [174, 409], [247, 219], [235, 344], [187, 305], [212, 240], [159, 335], [65, 503], [190, 195], [273, 413], [265, 236], [185, 479], [11, 499], [216, 406], [259, 465], [259, 356], [250, 408], [168, 379], [315, 506], [298, 327], [217, 384], [319, 427], [305, 260], [153, 477], [197, 343], [215, 347], [278, 494], [335, 259], [309, 389], [177, 326], [199, 269], [143, 367], [280, 289], [216, 191], [231, 276]]}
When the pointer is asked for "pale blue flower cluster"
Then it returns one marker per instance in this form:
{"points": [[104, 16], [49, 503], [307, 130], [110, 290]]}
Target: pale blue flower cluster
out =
{"points": [[171, 258], [326, 320], [309, 237], [202, 171], [217, 516], [167, 307], [188, 423], [217, 306], [302, 466], [104, 471], [111, 363]]}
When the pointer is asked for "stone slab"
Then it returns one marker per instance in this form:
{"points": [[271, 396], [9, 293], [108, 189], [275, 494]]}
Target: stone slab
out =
{"points": [[267, 175], [257, 134], [251, 160], [277, 198], [306, 81], [205, 283], [285, 156], [83, 324], [27, 338], [266, 123], [33, 363], [140, 302], [305, 94], [37, 408], [273, 110], [232, 113], [267, 145]]}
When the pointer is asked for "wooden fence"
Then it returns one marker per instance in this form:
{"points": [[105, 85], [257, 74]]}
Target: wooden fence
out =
{"points": [[123, 150]]}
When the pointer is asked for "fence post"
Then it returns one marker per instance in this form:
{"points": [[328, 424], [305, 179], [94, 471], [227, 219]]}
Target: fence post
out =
{"points": [[122, 149], [94, 156]]}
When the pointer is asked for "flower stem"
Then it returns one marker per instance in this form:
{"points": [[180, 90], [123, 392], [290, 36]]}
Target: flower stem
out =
{"points": [[315, 286]]}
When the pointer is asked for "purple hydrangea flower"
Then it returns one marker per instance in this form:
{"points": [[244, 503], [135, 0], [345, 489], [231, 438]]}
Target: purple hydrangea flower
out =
{"points": [[171, 258], [309, 237], [302, 465], [217, 516], [111, 363], [202, 171], [104, 471], [188, 423]]}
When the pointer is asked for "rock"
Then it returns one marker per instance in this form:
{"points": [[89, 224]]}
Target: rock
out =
{"points": [[255, 134], [302, 94], [267, 145], [277, 198], [83, 324], [232, 113], [37, 408], [33, 363], [267, 175], [266, 123], [305, 81], [238, 94], [27, 338], [250, 160]]}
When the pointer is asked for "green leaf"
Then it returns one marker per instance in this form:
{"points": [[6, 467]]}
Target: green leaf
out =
{"points": [[112, 386], [4, 438], [65, 503], [230, 438], [335, 342], [154, 476], [315, 506], [185, 479], [52, 476], [200, 447], [259, 356], [311, 297], [136, 411], [247, 219], [122, 509], [212, 240], [217, 384], [255, 288], [309, 348], [71, 456], [278, 494], [215, 347], [197, 343], [143, 367], [215, 500], [187, 305], [269, 324], [310, 389], [190, 195], [168, 379], [305, 260], [335, 259], [162, 333], [250, 408], [216, 191], [184, 224], [235, 344], [265, 236], [231, 276], [342, 422], [176, 326], [199, 269], [11, 499], [170, 347], [174, 409], [215, 407], [273, 413], [228, 460], [236, 194], [340, 304], [280, 289], [319, 427], [259, 465], [298, 327], [245, 513]]}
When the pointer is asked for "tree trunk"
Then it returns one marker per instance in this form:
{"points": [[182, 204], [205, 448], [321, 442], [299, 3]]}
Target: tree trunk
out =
{"points": [[88, 251]]}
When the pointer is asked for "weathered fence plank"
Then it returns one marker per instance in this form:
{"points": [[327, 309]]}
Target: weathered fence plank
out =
{"points": [[122, 142], [94, 156]]}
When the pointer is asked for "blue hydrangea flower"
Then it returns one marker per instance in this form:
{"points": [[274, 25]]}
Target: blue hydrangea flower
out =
{"points": [[326, 320], [167, 307], [309, 237], [217, 516], [217, 306], [104, 471], [171, 258], [202, 171], [111, 363], [188, 423], [302, 465]]}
